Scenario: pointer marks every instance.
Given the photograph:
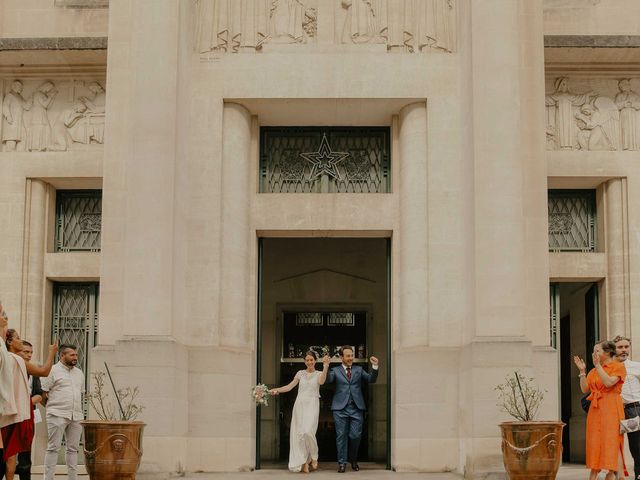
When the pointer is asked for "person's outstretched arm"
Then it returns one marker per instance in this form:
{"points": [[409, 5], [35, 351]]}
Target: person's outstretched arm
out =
{"points": [[373, 376], [43, 371], [286, 388], [325, 370]]}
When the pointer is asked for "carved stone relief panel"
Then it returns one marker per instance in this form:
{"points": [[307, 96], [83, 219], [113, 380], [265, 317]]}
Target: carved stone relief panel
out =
{"points": [[403, 25], [52, 115], [593, 114], [231, 26]]}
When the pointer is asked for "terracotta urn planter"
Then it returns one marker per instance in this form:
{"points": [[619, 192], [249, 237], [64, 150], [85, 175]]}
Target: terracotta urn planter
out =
{"points": [[532, 450], [112, 449]]}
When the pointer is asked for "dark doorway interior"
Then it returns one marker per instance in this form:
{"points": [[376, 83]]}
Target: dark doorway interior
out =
{"points": [[321, 293], [577, 307]]}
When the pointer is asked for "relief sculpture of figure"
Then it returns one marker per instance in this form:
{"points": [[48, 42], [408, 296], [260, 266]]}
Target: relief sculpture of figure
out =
{"points": [[285, 21], [231, 25], [95, 109], [39, 131], [628, 102], [217, 28], [434, 27], [60, 133], [13, 108], [563, 100], [253, 24], [599, 124], [364, 22], [399, 25]]}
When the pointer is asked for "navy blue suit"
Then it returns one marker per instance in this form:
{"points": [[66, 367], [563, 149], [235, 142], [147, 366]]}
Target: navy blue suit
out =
{"points": [[348, 409]]}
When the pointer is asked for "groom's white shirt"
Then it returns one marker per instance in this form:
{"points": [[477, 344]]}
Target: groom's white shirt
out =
{"points": [[375, 367]]}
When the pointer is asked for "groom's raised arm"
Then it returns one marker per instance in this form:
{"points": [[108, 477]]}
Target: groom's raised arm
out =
{"points": [[373, 376]]}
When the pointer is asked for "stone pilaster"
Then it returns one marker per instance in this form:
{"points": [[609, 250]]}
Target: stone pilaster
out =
{"points": [[413, 236], [509, 201], [617, 262], [235, 316], [35, 225]]}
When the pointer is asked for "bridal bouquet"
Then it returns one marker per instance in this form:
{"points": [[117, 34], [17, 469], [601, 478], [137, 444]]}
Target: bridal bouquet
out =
{"points": [[261, 394]]}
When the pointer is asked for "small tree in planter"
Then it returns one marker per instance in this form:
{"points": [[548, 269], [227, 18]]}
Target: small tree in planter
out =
{"points": [[113, 444], [530, 449]]}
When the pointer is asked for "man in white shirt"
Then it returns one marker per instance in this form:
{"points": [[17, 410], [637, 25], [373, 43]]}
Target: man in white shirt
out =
{"points": [[64, 385], [630, 396]]}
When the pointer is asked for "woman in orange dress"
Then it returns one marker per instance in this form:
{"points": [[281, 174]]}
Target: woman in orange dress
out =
{"points": [[604, 381]]}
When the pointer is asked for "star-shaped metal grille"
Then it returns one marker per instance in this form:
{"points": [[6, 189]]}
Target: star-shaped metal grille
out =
{"points": [[324, 160]]}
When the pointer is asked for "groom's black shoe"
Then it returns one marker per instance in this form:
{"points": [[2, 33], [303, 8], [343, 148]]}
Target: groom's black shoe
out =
{"points": [[354, 466], [342, 467]]}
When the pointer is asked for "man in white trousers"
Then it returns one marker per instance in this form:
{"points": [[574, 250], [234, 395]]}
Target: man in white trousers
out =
{"points": [[63, 388]]}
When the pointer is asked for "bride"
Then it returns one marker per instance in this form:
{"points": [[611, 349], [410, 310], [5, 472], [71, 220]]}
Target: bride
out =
{"points": [[303, 451]]}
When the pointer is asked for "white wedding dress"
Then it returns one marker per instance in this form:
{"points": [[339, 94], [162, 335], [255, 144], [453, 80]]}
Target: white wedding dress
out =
{"points": [[303, 446]]}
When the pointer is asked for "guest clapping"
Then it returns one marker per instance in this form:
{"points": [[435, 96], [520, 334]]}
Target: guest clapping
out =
{"points": [[604, 381]]}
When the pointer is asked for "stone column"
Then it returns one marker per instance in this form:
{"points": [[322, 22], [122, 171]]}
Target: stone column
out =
{"points": [[413, 235], [498, 338], [146, 193], [617, 281], [499, 225], [137, 294], [235, 316], [35, 226]]}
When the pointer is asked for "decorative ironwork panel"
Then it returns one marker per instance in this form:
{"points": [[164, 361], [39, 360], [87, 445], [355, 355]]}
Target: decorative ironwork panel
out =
{"points": [[309, 319], [342, 319], [78, 220], [572, 220], [75, 320], [325, 160]]}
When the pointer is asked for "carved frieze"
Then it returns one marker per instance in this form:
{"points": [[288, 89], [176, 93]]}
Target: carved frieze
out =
{"points": [[231, 26], [52, 115], [593, 114], [403, 25]]}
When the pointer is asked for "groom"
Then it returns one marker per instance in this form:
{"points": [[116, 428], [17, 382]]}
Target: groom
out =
{"points": [[348, 405]]}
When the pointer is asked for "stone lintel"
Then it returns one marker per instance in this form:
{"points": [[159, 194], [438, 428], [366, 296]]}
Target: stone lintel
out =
{"points": [[54, 43], [592, 41]]}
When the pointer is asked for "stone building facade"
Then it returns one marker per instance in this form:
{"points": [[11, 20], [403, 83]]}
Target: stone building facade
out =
{"points": [[196, 191]]}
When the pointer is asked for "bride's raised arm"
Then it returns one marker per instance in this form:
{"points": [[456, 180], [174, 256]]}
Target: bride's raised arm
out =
{"points": [[286, 388], [325, 369]]}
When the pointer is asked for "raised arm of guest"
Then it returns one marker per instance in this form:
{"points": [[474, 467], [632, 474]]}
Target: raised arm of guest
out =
{"points": [[43, 370], [582, 367]]}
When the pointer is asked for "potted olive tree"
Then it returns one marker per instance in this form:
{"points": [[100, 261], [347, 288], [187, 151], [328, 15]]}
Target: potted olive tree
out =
{"points": [[530, 449], [113, 444]]}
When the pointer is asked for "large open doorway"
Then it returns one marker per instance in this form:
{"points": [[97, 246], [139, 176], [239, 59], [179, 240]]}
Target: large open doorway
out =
{"points": [[575, 330], [321, 293]]}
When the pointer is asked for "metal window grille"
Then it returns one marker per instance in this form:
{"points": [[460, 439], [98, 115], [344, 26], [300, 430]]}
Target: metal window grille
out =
{"points": [[325, 160], [572, 220], [78, 220], [341, 319], [75, 321], [309, 319]]}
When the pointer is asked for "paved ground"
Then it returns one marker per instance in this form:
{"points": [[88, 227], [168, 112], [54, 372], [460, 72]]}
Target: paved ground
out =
{"points": [[567, 472]]}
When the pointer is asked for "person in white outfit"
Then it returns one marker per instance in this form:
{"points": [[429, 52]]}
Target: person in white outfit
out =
{"points": [[64, 387], [630, 396], [303, 446]]}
